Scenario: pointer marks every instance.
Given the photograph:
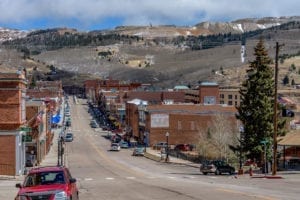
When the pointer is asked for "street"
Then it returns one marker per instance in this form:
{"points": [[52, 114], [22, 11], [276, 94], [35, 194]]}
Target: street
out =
{"points": [[104, 174]]}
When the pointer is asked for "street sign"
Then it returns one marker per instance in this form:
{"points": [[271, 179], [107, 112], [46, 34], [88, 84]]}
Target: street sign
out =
{"points": [[263, 142], [26, 129], [27, 138]]}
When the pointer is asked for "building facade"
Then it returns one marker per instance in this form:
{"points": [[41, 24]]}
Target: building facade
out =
{"points": [[12, 121]]}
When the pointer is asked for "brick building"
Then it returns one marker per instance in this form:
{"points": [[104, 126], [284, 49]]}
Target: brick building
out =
{"points": [[13, 117], [183, 122], [35, 142], [137, 102], [205, 93]]}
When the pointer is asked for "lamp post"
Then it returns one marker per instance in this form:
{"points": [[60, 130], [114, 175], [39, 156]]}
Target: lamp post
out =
{"points": [[264, 142], [167, 147]]}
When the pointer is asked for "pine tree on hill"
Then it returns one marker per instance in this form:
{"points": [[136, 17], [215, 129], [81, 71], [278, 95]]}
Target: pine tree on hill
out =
{"points": [[257, 100]]}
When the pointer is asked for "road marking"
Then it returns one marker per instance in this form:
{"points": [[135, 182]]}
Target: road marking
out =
{"points": [[88, 179], [109, 178], [191, 177], [130, 177], [171, 177]]}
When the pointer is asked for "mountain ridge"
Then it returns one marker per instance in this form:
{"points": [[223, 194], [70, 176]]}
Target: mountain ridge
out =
{"points": [[202, 28], [161, 58]]}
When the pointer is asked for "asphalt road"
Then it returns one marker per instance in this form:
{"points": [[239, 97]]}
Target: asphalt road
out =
{"points": [[107, 175], [103, 174]]}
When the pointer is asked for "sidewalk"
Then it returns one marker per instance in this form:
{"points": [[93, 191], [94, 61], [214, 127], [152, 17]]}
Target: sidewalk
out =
{"points": [[51, 158], [289, 174], [156, 156], [7, 183]]}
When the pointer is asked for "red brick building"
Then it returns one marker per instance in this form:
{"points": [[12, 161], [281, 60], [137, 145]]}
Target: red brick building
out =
{"points": [[13, 116], [93, 88], [183, 122], [137, 102], [36, 139], [206, 93]]}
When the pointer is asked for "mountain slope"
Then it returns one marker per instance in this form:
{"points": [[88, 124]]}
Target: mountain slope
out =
{"points": [[157, 55]]}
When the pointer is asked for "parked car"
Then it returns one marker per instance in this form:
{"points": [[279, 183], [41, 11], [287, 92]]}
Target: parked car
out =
{"points": [[94, 124], [124, 144], [69, 137], [50, 182], [160, 145], [115, 147], [138, 151], [183, 147], [217, 167], [68, 122], [30, 160]]}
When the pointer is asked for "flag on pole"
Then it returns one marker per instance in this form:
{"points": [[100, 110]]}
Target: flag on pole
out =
{"points": [[38, 120]]}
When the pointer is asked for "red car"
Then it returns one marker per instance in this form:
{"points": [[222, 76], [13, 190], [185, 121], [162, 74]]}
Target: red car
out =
{"points": [[51, 183], [183, 147]]}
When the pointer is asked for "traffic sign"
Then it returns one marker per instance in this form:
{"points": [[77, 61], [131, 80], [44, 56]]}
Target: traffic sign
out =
{"points": [[263, 142], [26, 129]]}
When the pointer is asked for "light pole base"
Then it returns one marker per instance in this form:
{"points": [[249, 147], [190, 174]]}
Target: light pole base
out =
{"points": [[240, 172]]}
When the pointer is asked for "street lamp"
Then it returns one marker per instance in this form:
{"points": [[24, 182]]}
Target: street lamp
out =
{"points": [[264, 142], [167, 147]]}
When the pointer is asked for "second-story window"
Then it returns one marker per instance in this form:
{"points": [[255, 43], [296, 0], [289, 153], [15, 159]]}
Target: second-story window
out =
{"points": [[193, 125], [230, 96], [179, 125]]}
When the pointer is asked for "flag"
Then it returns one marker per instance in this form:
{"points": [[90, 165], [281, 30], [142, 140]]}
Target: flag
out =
{"points": [[38, 120]]}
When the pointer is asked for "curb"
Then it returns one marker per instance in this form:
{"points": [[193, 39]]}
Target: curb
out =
{"points": [[267, 177]]}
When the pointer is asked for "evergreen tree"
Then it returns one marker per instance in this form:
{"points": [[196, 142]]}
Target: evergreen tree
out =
{"points": [[256, 108], [286, 80]]}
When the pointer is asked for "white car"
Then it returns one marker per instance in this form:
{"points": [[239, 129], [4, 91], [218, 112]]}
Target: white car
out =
{"points": [[115, 147]]}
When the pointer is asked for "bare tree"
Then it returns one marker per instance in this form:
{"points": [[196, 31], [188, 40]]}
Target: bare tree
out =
{"points": [[223, 134]]}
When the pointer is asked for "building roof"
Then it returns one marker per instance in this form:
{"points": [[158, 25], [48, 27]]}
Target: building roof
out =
{"points": [[181, 87], [191, 108], [208, 84], [291, 139], [145, 95], [138, 102]]}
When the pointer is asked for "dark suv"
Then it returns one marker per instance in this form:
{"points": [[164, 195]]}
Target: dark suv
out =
{"points": [[51, 183], [217, 167]]}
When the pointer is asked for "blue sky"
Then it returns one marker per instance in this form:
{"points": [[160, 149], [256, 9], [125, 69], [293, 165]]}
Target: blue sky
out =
{"points": [[88, 15]]}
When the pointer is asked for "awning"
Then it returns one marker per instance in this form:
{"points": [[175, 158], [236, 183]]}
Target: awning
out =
{"points": [[291, 139], [56, 119]]}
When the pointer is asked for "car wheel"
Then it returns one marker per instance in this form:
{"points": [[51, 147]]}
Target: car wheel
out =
{"points": [[205, 173]]}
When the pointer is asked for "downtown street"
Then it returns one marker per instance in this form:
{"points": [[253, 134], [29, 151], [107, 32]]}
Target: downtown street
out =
{"points": [[104, 174]]}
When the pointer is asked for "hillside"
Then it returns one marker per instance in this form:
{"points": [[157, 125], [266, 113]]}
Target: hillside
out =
{"points": [[157, 55]]}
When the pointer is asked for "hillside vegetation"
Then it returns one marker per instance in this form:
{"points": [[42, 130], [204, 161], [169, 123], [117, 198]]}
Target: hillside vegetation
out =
{"points": [[164, 61]]}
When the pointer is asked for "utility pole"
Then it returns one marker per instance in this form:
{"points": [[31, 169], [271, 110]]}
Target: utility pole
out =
{"points": [[274, 167]]}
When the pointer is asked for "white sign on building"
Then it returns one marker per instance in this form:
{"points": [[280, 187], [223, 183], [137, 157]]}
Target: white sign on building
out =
{"points": [[159, 120]]}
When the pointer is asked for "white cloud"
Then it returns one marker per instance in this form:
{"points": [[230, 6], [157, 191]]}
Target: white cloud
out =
{"points": [[137, 12]]}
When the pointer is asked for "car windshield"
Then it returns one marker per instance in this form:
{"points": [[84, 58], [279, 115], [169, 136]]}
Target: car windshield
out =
{"points": [[219, 163], [44, 178]]}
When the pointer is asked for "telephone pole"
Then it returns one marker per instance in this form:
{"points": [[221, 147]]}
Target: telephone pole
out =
{"points": [[274, 167]]}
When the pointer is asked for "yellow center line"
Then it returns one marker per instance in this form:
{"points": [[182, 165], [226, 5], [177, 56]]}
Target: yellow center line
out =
{"points": [[120, 166]]}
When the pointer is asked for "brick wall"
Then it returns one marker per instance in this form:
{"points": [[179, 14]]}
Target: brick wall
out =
{"points": [[205, 91], [8, 154], [186, 122], [132, 119]]}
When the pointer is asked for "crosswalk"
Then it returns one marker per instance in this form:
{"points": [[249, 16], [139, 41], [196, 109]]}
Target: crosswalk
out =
{"points": [[133, 178]]}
